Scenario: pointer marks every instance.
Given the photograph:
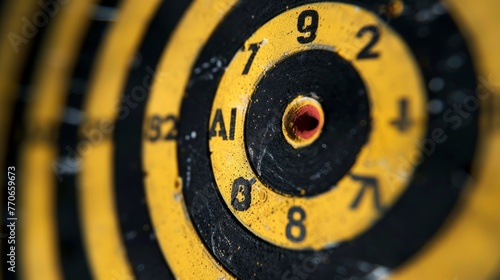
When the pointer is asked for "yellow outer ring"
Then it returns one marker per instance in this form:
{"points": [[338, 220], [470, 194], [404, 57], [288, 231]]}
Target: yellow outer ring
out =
{"points": [[187, 257], [39, 253], [330, 218], [13, 59], [101, 231], [10, 69], [467, 245]]}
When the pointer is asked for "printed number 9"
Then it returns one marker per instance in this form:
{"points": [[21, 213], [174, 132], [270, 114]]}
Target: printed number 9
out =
{"points": [[307, 23]]}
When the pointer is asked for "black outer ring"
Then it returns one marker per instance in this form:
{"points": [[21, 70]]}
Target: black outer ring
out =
{"points": [[141, 245], [17, 130], [74, 261], [413, 219], [316, 168]]}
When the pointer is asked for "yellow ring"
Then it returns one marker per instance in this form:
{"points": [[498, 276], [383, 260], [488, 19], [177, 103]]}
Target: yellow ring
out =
{"points": [[38, 156], [187, 257], [467, 245], [330, 218], [101, 230]]}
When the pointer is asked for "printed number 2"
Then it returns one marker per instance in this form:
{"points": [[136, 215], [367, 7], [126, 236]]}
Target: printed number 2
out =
{"points": [[304, 27], [366, 52], [296, 223]]}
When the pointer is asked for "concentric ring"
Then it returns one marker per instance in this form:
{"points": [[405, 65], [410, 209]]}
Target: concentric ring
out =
{"points": [[380, 238]]}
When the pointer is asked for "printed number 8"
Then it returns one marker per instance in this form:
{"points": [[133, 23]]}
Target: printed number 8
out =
{"points": [[296, 223]]}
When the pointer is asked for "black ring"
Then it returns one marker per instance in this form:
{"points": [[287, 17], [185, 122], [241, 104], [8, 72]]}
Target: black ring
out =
{"points": [[322, 75], [74, 260], [143, 250]]}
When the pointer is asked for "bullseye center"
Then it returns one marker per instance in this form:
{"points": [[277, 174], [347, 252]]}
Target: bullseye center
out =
{"points": [[306, 121], [302, 121]]}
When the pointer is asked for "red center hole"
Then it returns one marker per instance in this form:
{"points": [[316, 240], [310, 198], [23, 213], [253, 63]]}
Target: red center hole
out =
{"points": [[306, 121]]}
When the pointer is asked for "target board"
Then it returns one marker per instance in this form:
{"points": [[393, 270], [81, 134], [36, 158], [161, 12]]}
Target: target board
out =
{"points": [[254, 139]]}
